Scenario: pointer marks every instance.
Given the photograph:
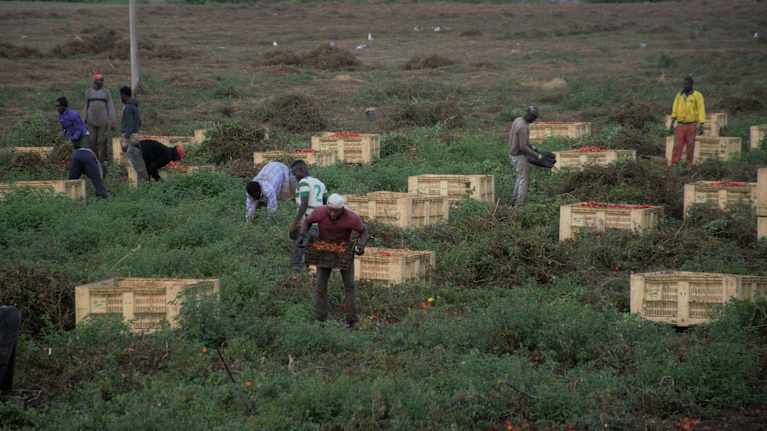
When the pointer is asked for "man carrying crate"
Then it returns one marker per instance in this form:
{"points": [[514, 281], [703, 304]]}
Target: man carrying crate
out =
{"points": [[687, 118], [310, 194], [519, 151], [336, 224]]}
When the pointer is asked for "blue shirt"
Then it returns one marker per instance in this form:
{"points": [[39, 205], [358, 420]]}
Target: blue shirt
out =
{"points": [[72, 126]]}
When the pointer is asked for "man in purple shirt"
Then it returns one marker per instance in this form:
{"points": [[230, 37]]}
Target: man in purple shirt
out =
{"points": [[72, 126]]}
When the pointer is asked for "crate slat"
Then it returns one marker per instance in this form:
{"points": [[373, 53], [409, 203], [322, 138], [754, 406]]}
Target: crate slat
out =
{"points": [[539, 131], [454, 187], [720, 194], [688, 298], [358, 148], [142, 302], [403, 210], [576, 217], [757, 135], [761, 227], [42, 152], [574, 159], [313, 158], [75, 189], [761, 193], [393, 266], [708, 148]]}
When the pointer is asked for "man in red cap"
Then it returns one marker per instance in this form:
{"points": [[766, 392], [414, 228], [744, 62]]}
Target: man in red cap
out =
{"points": [[157, 156], [100, 117]]}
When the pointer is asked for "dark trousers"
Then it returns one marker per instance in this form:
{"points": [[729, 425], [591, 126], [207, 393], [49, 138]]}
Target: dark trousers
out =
{"points": [[85, 162], [321, 294], [10, 327], [101, 142], [297, 256]]}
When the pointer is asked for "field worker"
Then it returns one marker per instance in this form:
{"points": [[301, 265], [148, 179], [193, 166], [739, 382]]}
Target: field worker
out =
{"points": [[310, 194], [84, 161], [129, 126], [687, 118], [100, 117], [72, 126], [156, 156], [519, 150], [272, 180], [336, 224]]}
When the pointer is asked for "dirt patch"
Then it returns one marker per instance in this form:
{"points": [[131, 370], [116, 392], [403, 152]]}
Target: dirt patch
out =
{"points": [[433, 61], [470, 33], [550, 85], [44, 297], [11, 51], [93, 42], [295, 113], [426, 115]]}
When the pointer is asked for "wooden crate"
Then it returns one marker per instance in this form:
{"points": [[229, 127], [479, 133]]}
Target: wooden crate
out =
{"points": [[403, 210], [168, 141], [575, 159], [357, 148], [688, 298], [200, 135], [75, 189], [541, 130], [42, 152], [599, 217], [757, 135], [393, 265], [708, 147], [311, 157], [143, 302], [761, 193], [718, 193], [715, 122], [455, 187], [761, 227]]}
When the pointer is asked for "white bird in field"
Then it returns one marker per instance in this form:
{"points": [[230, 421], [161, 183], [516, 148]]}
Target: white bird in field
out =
{"points": [[417, 28], [437, 28], [274, 43], [363, 46], [370, 36], [756, 35]]}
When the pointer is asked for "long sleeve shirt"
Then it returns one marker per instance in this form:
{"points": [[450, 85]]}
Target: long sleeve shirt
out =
{"points": [[519, 139], [689, 109], [72, 126], [274, 178], [99, 108], [156, 156], [131, 121]]}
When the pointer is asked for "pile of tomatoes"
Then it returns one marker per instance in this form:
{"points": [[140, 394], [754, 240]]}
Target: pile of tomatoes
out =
{"points": [[332, 247], [613, 206], [345, 135], [721, 184], [590, 149]]}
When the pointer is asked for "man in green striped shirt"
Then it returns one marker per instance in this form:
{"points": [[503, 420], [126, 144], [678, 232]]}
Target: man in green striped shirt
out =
{"points": [[310, 194]]}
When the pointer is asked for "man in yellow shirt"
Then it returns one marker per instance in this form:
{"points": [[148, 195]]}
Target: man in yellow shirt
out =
{"points": [[687, 118]]}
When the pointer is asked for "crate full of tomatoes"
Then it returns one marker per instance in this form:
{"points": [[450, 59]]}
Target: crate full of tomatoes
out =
{"points": [[326, 254]]}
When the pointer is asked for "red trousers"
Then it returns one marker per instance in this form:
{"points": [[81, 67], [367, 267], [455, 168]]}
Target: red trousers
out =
{"points": [[684, 140]]}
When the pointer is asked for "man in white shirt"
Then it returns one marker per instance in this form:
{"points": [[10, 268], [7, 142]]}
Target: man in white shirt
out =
{"points": [[273, 180], [311, 193]]}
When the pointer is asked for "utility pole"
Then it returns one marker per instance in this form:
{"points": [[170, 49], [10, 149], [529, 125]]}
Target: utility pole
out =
{"points": [[134, 70]]}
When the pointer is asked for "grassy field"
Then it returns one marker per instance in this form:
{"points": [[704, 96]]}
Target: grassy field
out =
{"points": [[526, 333]]}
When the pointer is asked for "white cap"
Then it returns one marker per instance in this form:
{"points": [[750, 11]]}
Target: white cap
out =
{"points": [[336, 201]]}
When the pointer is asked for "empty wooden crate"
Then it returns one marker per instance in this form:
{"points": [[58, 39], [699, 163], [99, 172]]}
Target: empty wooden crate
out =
{"points": [[142, 302], [454, 187], [579, 158], [393, 265], [708, 148], [761, 193], [715, 122], [574, 130], [350, 147], [688, 298], [311, 157], [75, 189], [720, 194], [403, 210], [599, 217], [42, 152]]}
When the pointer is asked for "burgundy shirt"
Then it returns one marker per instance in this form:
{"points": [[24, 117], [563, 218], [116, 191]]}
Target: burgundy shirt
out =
{"points": [[339, 230]]}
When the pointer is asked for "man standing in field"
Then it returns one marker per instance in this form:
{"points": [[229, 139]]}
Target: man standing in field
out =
{"points": [[100, 117], [336, 224], [310, 194], [687, 118], [272, 180], [72, 126], [519, 150], [129, 127]]}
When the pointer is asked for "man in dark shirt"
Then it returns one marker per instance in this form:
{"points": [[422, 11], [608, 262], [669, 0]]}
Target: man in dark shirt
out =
{"points": [[157, 156], [336, 224]]}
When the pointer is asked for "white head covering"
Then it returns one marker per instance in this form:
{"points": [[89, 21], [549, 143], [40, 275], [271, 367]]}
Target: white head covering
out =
{"points": [[336, 201]]}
